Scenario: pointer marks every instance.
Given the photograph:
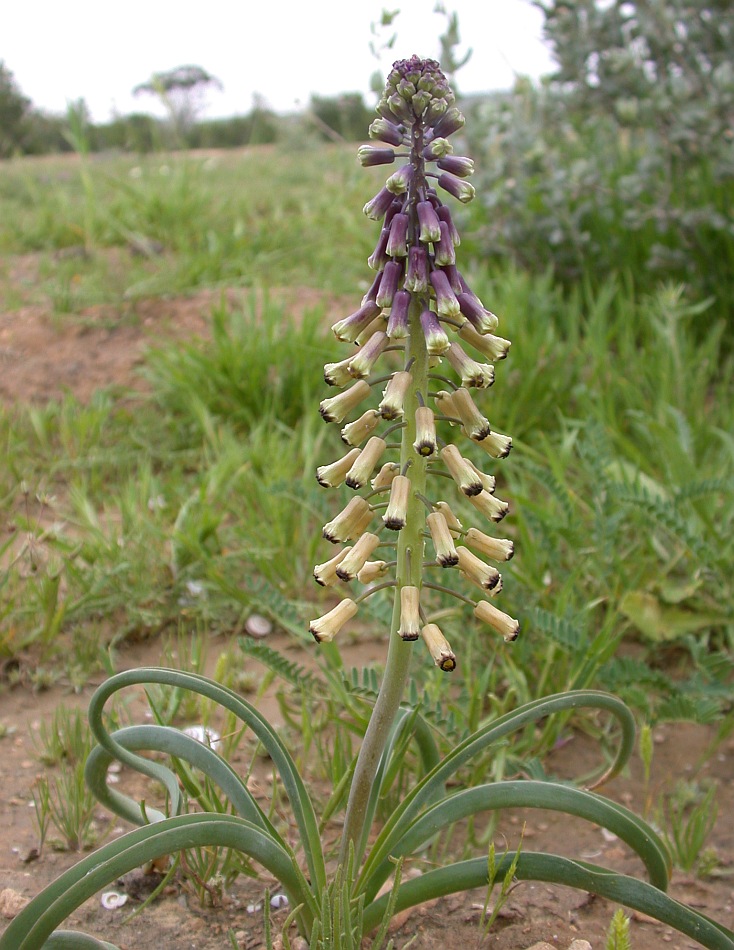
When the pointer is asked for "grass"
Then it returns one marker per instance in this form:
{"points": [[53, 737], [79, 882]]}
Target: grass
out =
{"points": [[187, 506]]}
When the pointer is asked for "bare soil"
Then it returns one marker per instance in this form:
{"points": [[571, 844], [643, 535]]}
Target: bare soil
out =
{"points": [[42, 358]]}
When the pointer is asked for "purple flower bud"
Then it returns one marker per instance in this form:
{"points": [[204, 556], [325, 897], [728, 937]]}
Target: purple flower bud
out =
{"points": [[436, 340], [377, 206], [374, 287], [383, 108], [451, 121], [444, 214], [378, 258], [397, 245], [457, 165], [389, 284], [416, 279], [444, 248], [456, 187], [429, 223], [397, 325], [454, 277], [446, 303], [438, 148], [350, 328], [482, 320], [400, 108], [360, 365], [386, 131], [368, 155], [395, 208], [398, 182], [420, 102]]}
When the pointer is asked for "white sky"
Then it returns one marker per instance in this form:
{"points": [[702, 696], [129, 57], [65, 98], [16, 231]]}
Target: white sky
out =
{"points": [[60, 50]]}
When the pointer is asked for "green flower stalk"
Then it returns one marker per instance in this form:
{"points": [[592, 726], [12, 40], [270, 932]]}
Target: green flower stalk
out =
{"points": [[408, 330]]}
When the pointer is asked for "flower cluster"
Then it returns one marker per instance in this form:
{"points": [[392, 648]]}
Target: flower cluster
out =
{"points": [[417, 316]]}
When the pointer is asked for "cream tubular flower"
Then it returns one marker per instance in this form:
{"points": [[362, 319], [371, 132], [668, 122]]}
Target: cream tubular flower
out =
{"points": [[364, 464], [329, 476], [372, 571], [474, 569], [479, 375], [354, 433], [498, 549], [342, 528], [425, 432], [461, 471], [393, 397], [397, 509], [439, 648], [410, 621], [491, 507], [496, 445], [325, 574], [499, 621], [325, 628], [337, 408], [475, 425], [385, 476], [493, 347], [455, 526], [355, 560], [442, 538]]}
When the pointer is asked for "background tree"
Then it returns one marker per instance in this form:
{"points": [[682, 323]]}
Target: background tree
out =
{"points": [[14, 107], [181, 90]]}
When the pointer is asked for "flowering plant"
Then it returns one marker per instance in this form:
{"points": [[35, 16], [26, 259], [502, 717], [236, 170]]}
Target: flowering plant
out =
{"points": [[418, 311]]}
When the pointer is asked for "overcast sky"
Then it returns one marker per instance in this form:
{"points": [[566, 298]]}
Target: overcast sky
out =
{"points": [[285, 50]]}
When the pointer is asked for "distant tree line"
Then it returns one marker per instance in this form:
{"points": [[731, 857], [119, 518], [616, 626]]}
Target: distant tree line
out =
{"points": [[26, 130]]}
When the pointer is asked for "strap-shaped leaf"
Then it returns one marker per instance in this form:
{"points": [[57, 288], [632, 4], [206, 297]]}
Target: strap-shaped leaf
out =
{"points": [[426, 789], [37, 921], [528, 794], [292, 782], [181, 746], [552, 869]]}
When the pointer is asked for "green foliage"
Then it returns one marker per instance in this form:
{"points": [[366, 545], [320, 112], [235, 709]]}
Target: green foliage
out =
{"points": [[13, 110], [620, 162], [344, 117]]}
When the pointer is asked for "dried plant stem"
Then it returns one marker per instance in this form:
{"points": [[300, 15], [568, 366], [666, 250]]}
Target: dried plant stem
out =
{"points": [[408, 572]]}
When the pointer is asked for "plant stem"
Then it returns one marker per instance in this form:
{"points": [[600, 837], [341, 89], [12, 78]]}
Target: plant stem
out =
{"points": [[408, 572]]}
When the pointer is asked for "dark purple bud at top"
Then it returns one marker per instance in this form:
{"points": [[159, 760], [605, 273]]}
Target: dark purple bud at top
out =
{"points": [[430, 226], [369, 155], [397, 325], [451, 121], [416, 278], [446, 303], [456, 187], [444, 248], [457, 165], [397, 245], [377, 206], [438, 148], [386, 131], [389, 284], [444, 214], [378, 258]]}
